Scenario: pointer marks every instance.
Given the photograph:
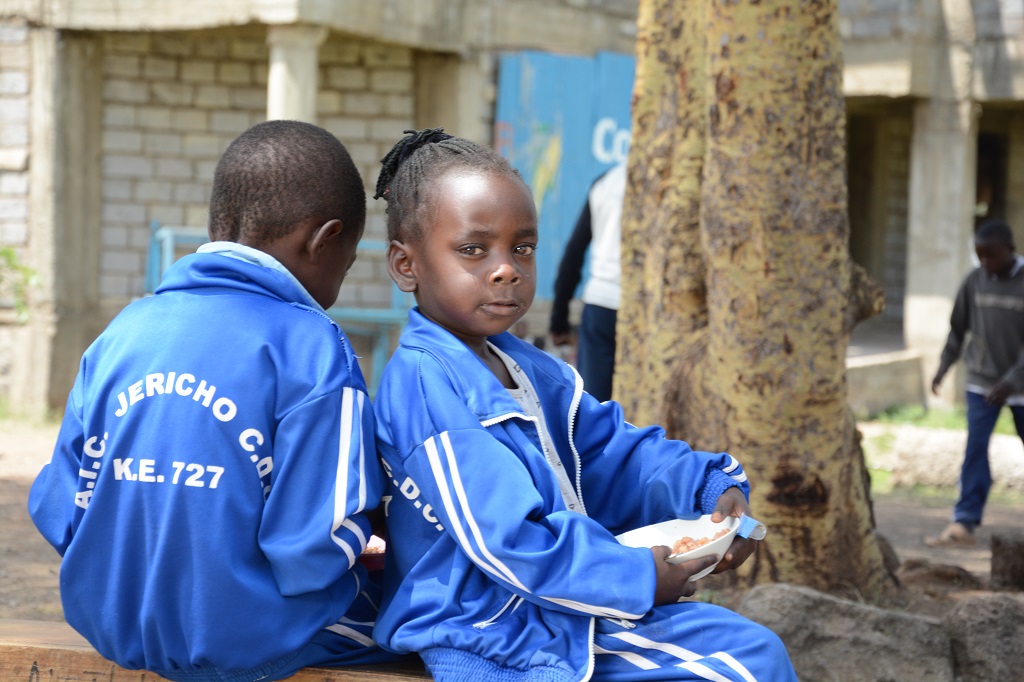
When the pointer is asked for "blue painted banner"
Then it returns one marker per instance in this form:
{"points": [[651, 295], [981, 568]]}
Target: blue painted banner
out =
{"points": [[562, 121]]}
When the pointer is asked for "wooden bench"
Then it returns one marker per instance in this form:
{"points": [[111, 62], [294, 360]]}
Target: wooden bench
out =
{"points": [[33, 651]]}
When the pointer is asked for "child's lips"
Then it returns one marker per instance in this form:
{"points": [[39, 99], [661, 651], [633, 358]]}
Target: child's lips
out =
{"points": [[502, 307]]}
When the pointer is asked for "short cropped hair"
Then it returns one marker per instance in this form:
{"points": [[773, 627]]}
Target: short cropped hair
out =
{"points": [[994, 232], [278, 174], [409, 169]]}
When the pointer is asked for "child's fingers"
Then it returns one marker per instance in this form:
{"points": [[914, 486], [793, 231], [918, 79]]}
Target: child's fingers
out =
{"points": [[695, 566], [730, 503], [738, 552], [688, 590], [661, 552]]}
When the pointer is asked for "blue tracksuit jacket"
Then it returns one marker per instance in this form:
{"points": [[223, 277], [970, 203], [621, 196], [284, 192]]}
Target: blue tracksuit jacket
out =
{"points": [[488, 575], [208, 486]]}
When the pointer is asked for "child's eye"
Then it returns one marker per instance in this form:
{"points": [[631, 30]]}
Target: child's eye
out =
{"points": [[526, 249], [471, 250]]}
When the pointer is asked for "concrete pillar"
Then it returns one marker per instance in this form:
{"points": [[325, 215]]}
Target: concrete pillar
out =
{"points": [[942, 193], [292, 80], [448, 91], [940, 229], [64, 218]]}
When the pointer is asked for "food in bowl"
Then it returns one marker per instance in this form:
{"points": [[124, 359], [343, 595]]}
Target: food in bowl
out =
{"points": [[716, 539], [373, 556], [688, 544]]}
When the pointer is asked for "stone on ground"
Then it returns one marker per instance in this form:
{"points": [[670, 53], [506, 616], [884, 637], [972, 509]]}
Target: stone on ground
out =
{"points": [[834, 639], [987, 633]]}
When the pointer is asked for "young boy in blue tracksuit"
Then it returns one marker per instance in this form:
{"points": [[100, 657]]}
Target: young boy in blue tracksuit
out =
{"points": [[508, 481], [211, 483]]}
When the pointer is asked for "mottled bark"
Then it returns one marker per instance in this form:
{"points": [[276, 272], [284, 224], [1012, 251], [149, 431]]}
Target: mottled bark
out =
{"points": [[664, 311], [742, 274]]}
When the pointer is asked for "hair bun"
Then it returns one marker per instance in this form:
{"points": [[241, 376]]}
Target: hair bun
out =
{"points": [[402, 150]]}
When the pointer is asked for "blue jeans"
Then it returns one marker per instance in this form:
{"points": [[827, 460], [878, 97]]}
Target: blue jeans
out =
{"points": [[595, 355], [976, 475]]}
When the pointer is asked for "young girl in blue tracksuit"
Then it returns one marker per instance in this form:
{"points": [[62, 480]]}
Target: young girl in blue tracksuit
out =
{"points": [[211, 486], [508, 481]]}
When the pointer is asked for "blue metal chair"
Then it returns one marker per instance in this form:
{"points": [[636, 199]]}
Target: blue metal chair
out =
{"points": [[376, 324], [164, 242]]}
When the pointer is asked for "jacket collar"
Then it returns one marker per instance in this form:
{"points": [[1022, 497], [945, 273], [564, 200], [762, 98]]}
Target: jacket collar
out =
{"points": [[484, 394], [209, 271], [261, 258]]}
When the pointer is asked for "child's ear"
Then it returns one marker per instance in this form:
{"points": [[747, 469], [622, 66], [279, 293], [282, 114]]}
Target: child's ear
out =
{"points": [[322, 237], [399, 258]]}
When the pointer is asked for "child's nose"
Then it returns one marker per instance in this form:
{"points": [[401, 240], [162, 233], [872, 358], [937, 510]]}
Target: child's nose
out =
{"points": [[505, 273]]}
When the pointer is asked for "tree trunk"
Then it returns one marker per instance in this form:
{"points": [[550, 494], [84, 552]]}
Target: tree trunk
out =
{"points": [[735, 255], [662, 322]]}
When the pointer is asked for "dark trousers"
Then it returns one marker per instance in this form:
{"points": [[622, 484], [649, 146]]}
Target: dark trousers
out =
{"points": [[595, 355], [975, 474]]}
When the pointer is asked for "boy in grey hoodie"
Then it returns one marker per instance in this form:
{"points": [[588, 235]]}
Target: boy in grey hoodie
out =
{"points": [[987, 328]]}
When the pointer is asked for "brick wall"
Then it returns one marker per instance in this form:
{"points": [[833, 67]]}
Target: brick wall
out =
{"points": [[15, 62], [15, 72], [366, 100], [172, 102], [998, 18], [868, 20]]}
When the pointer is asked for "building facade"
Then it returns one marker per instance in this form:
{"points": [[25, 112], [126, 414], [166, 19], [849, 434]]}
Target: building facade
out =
{"points": [[113, 114]]}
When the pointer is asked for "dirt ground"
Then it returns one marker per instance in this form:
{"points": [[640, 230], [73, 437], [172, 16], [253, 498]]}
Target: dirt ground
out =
{"points": [[29, 566]]}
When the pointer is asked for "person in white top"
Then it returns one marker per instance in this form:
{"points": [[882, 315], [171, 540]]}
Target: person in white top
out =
{"points": [[598, 227]]}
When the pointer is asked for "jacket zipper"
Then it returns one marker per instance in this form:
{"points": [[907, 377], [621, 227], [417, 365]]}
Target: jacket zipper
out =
{"points": [[490, 621], [622, 622], [573, 409], [589, 672]]}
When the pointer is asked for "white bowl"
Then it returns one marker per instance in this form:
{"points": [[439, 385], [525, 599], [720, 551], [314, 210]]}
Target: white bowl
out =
{"points": [[669, 532]]}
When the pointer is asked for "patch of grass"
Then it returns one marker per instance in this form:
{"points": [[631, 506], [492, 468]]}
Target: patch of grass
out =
{"points": [[9, 413], [878, 455], [881, 481], [15, 281], [940, 496], [6, 412], [881, 443], [940, 418], [933, 495], [926, 495]]}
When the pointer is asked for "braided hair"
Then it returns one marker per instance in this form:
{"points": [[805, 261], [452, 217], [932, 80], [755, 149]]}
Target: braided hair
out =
{"points": [[409, 169], [280, 173]]}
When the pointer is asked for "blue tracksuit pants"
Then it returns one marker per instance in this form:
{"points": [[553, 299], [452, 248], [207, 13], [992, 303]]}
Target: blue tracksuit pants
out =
{"points": [[348, 642], [690, 641]]}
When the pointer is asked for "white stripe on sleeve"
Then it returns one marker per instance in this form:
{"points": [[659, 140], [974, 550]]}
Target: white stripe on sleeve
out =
{"points": [[470, 521], [433, 456], [485, 559], [351, 412], [360, 402]]}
